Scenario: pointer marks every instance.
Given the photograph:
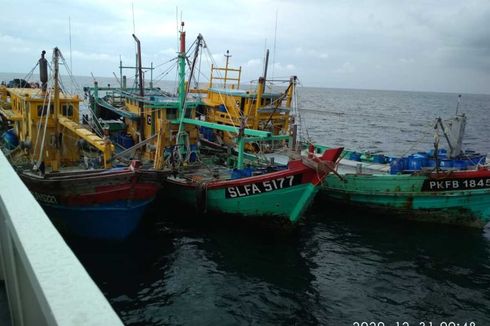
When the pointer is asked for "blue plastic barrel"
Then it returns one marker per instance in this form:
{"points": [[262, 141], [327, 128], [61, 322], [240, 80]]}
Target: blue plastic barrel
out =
{"points": [[431, 163], [446, 164], [208, 133], [355, 156], [398, 165], [390, 159], [381, 159], [241, 173], [417, 161], [460, 164], [125, 140], [479, 159], [236, 174], [10, 139], [193, 156]]}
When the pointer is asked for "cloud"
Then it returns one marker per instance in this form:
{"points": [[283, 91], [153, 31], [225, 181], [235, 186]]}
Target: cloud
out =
{"points": [[346, 68], [254, 63], [367, 44], [95, 56], [168, 51], [311, 53], [406, 60]]}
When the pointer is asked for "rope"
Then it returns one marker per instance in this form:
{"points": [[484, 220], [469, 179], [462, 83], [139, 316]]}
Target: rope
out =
{"points": [[41, 149], [29, 74], [42, 112]]}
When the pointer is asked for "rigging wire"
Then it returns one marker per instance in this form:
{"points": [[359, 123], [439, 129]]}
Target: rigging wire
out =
{"points": [[29, 74], [210, 58]]}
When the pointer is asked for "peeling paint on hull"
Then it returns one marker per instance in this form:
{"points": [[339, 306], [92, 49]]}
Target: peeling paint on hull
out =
{"points": [[402, 196]]}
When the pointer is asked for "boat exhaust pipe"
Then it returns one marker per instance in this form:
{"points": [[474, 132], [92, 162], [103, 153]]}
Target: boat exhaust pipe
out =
{"points": [[43, 71]]}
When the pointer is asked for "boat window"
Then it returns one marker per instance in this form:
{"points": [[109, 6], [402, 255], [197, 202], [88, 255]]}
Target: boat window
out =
{"points": [[67, 110], [159, 113], [171, 114], [188, 113], [41, 110]]}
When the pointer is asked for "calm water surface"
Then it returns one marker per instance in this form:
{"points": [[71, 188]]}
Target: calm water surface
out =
{"points": [[336, 268]]}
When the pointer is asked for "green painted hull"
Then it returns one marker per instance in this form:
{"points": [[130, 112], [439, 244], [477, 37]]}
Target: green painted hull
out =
{"points": [[287, 204], [402, 195]]}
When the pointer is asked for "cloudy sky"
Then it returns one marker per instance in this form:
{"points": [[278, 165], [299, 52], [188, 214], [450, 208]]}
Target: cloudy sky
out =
{"points": [[405, 45]]}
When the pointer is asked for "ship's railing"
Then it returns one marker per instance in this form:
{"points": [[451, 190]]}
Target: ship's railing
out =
{"points": [[44, 281]]}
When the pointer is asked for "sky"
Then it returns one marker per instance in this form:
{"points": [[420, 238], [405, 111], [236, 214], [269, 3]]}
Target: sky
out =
{"points": [[395, 45]]}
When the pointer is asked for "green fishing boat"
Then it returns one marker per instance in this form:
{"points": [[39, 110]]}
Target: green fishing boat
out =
{"points": [[461, 198], [451, 187], [234, 188], [282, 191]]}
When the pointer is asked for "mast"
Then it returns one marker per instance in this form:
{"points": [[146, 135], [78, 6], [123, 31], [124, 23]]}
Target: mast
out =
{"points": [[182, 69], [183, 88], [181, 91], [260, 91], [55, 164], [227, 56], [120, 70], [142, 89], [151, 76], [43, 72], [266, 65], [289, 98], [258, 101]]}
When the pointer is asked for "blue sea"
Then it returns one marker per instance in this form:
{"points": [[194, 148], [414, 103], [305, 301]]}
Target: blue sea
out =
{"points": [[338, 267]]}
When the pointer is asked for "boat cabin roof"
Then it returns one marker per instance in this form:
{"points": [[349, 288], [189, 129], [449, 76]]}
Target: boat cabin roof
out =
{"points": [[242, 93], [36, 94]]}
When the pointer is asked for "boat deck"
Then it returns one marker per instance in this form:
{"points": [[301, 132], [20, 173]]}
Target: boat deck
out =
{"points": [[204, 173]]}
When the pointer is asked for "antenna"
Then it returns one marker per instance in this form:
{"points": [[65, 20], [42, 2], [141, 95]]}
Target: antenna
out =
{"points": [[134, 25], [177, 23], [69, 31], [135, 48], [274, 47], [265, 50]]}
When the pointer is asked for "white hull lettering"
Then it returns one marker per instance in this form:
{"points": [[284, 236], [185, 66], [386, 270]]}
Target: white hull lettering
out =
{"points": [[262, 186], [45, 198], [456, 184]]}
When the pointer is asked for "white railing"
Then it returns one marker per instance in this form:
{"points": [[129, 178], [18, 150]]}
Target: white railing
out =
{"points": [[45, 282]]}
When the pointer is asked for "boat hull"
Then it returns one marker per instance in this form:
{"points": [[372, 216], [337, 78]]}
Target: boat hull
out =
{"points": [[447, 198], [284, 194], [112, 221], [286, 204], [100, 204]]}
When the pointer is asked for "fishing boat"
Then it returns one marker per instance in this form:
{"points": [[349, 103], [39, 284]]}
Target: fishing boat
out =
{"points": [[140, 119], [218, 183], [445, 186], [283, 192], [271, 191], [68, 168]]}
